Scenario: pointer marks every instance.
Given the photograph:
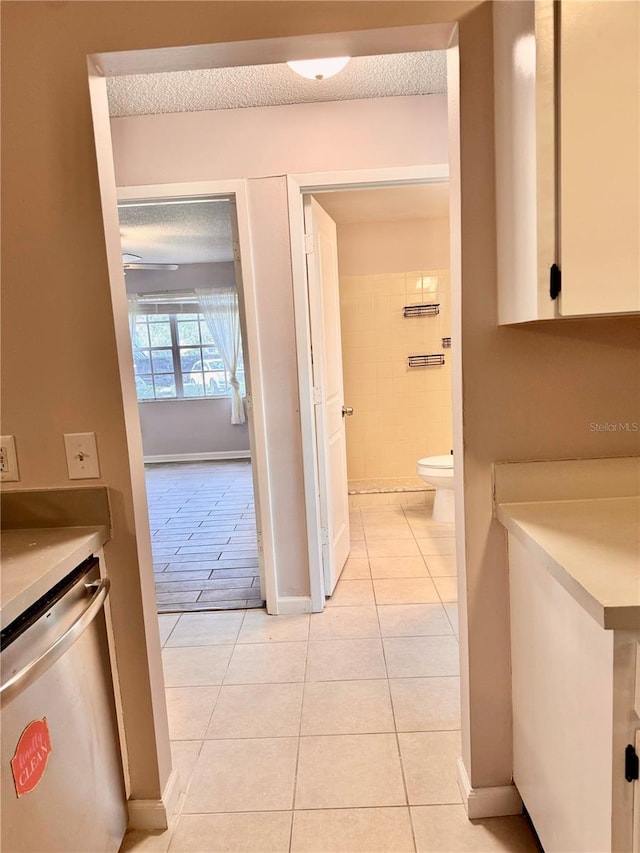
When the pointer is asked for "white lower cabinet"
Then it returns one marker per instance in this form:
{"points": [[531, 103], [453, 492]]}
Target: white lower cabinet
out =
{"points": [[574, 713]]}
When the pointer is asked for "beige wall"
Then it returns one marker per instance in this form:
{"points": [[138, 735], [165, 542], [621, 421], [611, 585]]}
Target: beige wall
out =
{"points": [[401, 414], [260, 141], [272, 269], [184, 427], [527, 392], [371, 248]]}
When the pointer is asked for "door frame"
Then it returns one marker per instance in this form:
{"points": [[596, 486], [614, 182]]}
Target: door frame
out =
{"points": [[299, 185], [247, 296]]}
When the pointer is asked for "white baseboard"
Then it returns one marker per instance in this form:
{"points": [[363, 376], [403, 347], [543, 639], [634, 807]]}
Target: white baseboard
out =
{"points": [[294, 604], [198, 457], [155, 814], [487, 802]]}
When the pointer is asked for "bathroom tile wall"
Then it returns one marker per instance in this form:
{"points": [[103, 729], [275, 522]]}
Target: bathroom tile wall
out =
{"points": [[400, 414]]}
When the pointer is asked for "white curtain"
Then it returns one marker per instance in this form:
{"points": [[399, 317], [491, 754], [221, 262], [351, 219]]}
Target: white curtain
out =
{"points": [[220, 308], [132, 300]]}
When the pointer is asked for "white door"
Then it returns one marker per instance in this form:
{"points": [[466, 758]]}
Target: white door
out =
{"points": [[324, 310]]}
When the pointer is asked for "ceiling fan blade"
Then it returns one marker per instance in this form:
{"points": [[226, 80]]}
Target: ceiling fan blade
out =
{"points": [[150, 266]]}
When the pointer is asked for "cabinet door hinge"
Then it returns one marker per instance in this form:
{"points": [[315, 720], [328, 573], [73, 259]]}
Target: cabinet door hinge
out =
{"points": [[236, 250], [317, 395], [324, 536], [630, 764], [308, 244], [555, 281]]}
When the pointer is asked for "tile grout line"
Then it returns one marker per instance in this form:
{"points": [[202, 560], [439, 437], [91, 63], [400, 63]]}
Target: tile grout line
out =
{"points": [[395, 731], [299, 737], [177, 815], [180, 812], [446, 614], [224, 675]]}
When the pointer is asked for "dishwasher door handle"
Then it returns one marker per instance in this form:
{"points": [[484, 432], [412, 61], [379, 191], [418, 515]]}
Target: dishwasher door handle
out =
{"points": [[28, 674]]}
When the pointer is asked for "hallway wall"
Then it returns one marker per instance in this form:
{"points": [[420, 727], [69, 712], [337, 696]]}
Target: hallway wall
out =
{"points": [[263, 141]]}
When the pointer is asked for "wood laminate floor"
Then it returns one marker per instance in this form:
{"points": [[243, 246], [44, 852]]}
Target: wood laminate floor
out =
{"points": [[203, 535]]}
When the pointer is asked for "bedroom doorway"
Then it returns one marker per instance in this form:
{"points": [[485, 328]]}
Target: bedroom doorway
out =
{"points": [[183, 278]]}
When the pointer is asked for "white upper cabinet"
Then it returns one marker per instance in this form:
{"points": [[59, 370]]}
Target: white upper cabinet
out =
{"points": [[600, 157], [524, 86], [567, 126]]}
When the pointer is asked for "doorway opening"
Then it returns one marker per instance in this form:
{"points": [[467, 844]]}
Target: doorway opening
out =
{"points": [[182, 277], [392, 307], [212, 134], [401, 249], [394, 290]]}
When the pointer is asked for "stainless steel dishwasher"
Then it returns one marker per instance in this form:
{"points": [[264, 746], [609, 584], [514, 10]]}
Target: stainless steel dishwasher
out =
{"points": [[62, 780]]}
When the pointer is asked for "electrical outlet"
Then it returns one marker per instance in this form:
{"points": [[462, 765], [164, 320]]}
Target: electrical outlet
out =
{"points": [[82, 455], [8, 459]]}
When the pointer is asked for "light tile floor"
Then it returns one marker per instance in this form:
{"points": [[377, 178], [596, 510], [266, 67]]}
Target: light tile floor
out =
{"points": [[332, 732], [203, 536]]}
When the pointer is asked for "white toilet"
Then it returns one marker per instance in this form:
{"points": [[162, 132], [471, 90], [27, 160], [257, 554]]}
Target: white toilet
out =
{"points": [[438, 471]]}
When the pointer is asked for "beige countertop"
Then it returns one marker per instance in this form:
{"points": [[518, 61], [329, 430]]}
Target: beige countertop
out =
{"points": [[591, 547], [34, 559]]}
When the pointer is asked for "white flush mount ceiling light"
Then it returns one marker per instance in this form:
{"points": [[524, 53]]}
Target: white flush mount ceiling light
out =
{"points": [[319, 69]]}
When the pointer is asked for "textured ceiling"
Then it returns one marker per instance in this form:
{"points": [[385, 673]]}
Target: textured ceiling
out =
{"points": [[177, 233], [388, 204], [382, 76]]}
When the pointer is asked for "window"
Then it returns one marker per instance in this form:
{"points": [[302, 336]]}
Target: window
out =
{"points": [[174, 355]]}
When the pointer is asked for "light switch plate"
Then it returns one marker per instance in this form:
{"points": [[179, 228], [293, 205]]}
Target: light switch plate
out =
{"points": [[8, 459], [82, 455]]}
